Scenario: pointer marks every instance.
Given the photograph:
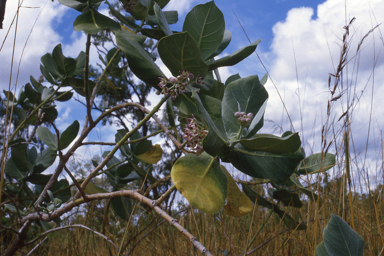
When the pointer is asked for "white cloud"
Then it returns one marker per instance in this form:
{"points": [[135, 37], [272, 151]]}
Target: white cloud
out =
{"points": [[42, 39], [182, 6]]}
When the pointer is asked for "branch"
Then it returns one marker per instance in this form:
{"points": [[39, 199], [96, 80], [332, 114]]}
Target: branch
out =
{"points": [[252, 182], [123, 193], [37, 246]]}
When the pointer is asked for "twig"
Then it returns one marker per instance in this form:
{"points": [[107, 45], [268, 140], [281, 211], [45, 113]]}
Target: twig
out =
{"points": [[157, 183], [72, 226], [252, 182], [37, 246], [165, 195]]}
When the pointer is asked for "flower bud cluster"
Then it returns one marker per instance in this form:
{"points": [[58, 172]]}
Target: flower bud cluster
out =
{"points": [[244, 119], [179, 84], [194, 136]]}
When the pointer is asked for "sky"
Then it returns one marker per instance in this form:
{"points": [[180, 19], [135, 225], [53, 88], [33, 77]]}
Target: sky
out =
{"points": [[300, 46]]}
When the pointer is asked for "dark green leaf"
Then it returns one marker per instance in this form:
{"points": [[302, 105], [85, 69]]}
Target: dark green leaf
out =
{"points": [[287, 197], [312, 196], [63, 96], [91, 22], [315, 163], [141, 64], [205, 23], [140, 11], [250, 95], [38, 179], [170, 113], [44, 159], [19, 157], [276, 168], [123, 19], [122, 207], [69, 134], [47, 92], [233, 58], [321, 250], [62, 190], [66, 66], [256, 198], [171, 17], [80, 63], [231, 79], [32, 155], [35, 84], [341, 240], [13, 171], [51, 66], [215, 143], [47, 75], [224, 43], [142, 146], [77, 5], [47, 137], [78, 85], [179, 52], [124, 170], [272, 144], [124, 149], [162, 20], [51, 113], [110, 54], [33, 96]]}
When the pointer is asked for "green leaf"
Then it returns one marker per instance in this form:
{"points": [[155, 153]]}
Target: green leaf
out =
{"points": [[47, 75], [44, 159], [122, 207], [161, 3], [51, 66], [237, 203], [140, 11], [154, 33], [231, 79], [91, 189], [162, 20], [321, 250], [77, 5], [47, 92], [272, 144], [171, 17], [62, 190], [51, 113], [141, 64], [13, 171], [47, 137], [315, 163], [287, 197], [312, 196], [66, 66], [33, 96], [110, 54], [63, 96], [276, 168], [179, 52], [341, 240], [215, 143], [38, 179], [19, 157], [69, 134], [233, 58], [32, 155], [170, 113], [12, 208], [91, 22], [123, 19], [151, 156], [250, 95], [224, 43], [124, 170], [205, 23], [258, 199], [35, 83], [141, 147], [124, 149], [80, 63], [201, 181], [78, 85]]}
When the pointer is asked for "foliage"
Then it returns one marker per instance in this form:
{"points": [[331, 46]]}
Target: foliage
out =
{"points": [[232, 112]]}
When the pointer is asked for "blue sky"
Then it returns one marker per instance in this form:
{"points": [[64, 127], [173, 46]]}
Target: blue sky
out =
{"points": [[300, 46]]}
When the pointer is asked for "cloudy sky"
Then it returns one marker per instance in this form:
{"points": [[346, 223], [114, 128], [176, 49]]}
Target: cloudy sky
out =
{"points": [[301, 43]]}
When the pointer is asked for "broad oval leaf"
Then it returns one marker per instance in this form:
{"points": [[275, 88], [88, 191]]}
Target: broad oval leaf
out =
{"points": [[205, 23], [272, 144], [287, 197], [12, 170], [317, 163], [20, 158], [276, 168], [321, 250], [151, 156], [91, 189], [179, 52], [91, 22], [69, 134], [44, 159], [233, 58], [238, 204], [39, 179], [47, 137], [122, 207], [66, 66], [250, 94], [141, 64], [341, 240], [224, 43], [77, 5], [201, 181]]}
